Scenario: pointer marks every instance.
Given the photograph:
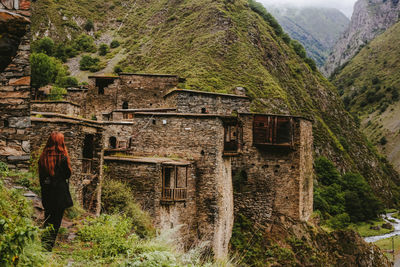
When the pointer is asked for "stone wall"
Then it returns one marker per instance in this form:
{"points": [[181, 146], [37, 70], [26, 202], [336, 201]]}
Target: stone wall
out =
{"points": [[85, 181], [76, 94], [273, 181], [62, 107], [94, 104], [14, 82], [144, 177], [145, 91], [128, 91], [187, 101], [122, 131], [199, 138]]}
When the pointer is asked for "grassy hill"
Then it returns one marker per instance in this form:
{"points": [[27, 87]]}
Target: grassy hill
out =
{"points": [[317, 29], [218, 45], [370, 84]]}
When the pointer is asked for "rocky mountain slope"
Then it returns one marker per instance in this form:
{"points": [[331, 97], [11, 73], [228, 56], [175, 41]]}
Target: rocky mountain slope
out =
{"points": [[371, 86], [217, 46], [317, 29], [370, 18]]}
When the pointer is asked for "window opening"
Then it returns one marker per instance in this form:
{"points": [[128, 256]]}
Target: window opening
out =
{"points": [[203, 110], [130, 142], [112, 142], [88, 153], [125, 105], [102, 83], [6, 123], [273, 130], [174, 182]]}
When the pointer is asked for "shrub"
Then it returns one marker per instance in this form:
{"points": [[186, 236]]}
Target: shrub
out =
{"points": [[118, 69], [376, 80], [45, 45], [19, 239], [310, 62], [299, 49], [57, 93], [89, 25], [71, 51], [60, 53], [114, 44], [107, 234], [85, 43], [67, 81], [103, 49], [383, 141], [339, 221], [395, 94], [118, 198], [87, 62]]}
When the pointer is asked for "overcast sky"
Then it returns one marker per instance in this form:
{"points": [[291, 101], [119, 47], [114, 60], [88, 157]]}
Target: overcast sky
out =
{"points": [[346, 6]]}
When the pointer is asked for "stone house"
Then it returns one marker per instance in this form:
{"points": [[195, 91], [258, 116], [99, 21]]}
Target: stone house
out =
{"points": [[195, 159]]}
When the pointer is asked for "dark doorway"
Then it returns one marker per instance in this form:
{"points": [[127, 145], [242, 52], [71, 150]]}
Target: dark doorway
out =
{"points": [[125, 105], [88, 146], [103, 82], [112, 142]]}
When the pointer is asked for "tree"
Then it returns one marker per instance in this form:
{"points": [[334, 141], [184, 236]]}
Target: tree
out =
{"points": [[45, 45], [42, 69], [326, 172]]}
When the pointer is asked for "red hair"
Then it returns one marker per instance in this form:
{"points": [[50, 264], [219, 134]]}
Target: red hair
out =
{"points": [[52, 153]]}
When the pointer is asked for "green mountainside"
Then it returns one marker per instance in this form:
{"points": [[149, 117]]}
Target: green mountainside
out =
{"points": [[316, 28], [218, 45], [370, 84]]}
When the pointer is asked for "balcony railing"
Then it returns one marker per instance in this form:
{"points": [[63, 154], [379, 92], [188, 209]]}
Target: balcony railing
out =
{"points": [[174, 194]]}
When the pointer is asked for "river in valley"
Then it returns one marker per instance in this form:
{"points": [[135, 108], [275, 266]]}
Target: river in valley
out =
{"points": [[396, 224]]}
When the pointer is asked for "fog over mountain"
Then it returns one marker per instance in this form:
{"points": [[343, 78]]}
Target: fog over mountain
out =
{"points": [[346, 6]]}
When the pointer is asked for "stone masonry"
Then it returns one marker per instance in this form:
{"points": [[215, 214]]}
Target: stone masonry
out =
{"points": [[14, 82], [192, 159]]}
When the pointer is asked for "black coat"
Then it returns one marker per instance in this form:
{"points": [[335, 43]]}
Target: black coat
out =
{"points": [[55, 189]]}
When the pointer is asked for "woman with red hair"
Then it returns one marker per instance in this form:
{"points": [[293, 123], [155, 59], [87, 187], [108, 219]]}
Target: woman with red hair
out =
{"points": [[54, 172]]}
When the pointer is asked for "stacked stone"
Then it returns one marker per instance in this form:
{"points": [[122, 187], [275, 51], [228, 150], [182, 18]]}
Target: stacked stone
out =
{"points": [[15, 82]]}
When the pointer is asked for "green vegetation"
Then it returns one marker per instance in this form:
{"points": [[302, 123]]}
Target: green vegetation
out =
{"points": [[118, 198], [386, 245], [19, 236], [112, 240], [85, 43], [103, 49], [90, 63], [367, 228], [341, 198], [251, 246], [57, 93]]}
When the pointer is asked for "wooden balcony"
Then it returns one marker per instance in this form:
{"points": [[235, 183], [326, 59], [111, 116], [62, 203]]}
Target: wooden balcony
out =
{"points": [[174, 194]]}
